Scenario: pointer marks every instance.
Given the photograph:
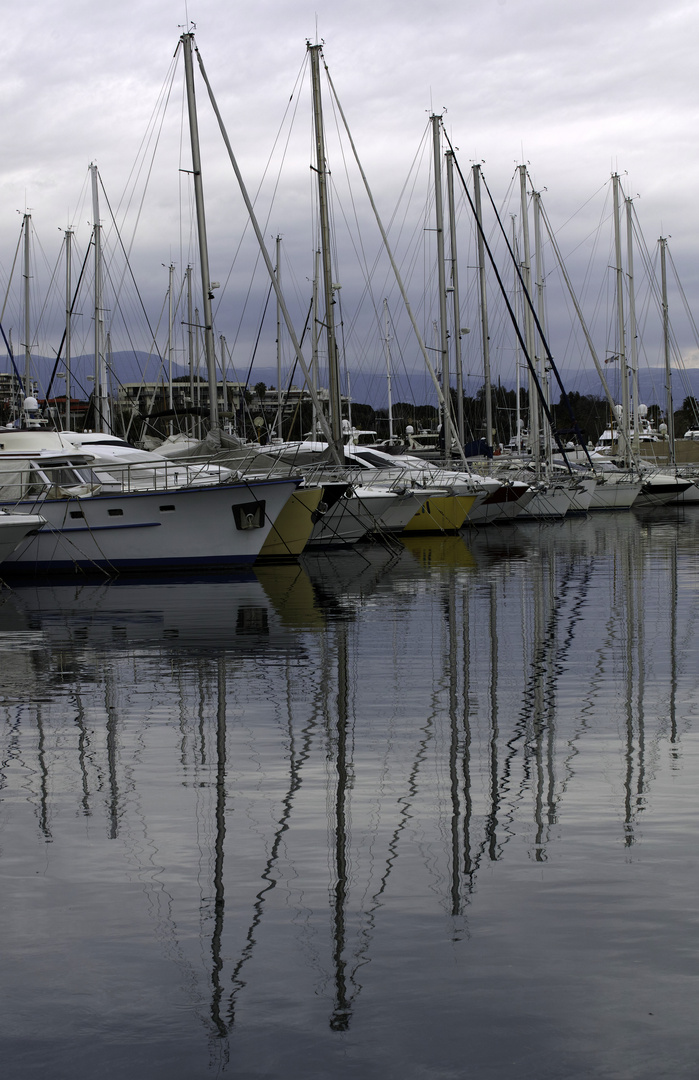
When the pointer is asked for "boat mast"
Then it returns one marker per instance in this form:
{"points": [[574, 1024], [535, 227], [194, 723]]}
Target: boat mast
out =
{"points": [[670, 421], [541, 315], [528, 323], [632, 328], [27, 320], [207, 295], [456, 301], [108, 367], [399, 281], [441, 284], [100, 399], [581, 320], [620, 318], [387, 341], [197, 367], [314, 345], [485, 333], [334, 405], [279, 342], [336, 451], [69, 304], [170, 398], [518, 365], [190, 348]]}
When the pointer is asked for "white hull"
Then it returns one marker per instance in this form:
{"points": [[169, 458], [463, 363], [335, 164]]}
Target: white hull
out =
{"points": [[501, 506], [615, 492], [349, 519], [690, 497], [214, 526], [402, 510], [14, 528], [551, 501], [661, 490], [582, 494]]}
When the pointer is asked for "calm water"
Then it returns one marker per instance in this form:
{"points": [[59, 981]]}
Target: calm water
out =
{"points": [[429, 814]]}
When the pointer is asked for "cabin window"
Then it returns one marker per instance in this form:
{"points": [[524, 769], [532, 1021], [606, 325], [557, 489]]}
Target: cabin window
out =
{"points": [[77, 514], [36, 483], [373, 459], [115, 513], [249, 515], [166, 509], [65, 477]]}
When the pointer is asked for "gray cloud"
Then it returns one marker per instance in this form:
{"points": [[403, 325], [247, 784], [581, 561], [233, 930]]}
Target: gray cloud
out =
{"points": [[576, 92]]}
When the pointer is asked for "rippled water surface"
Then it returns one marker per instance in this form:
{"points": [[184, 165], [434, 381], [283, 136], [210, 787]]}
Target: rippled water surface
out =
{"points": [[429, 813]]}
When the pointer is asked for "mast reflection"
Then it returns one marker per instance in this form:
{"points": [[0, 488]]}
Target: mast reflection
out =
{"points": [[435, 713]]}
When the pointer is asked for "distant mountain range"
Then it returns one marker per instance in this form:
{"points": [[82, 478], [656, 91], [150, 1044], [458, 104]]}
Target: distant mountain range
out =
{"points": [[370, 389]]}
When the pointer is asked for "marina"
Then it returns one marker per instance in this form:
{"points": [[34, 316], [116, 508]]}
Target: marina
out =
{"points": [[381, 813], [349, 591]]}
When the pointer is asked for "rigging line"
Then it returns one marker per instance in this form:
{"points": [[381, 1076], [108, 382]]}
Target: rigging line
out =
{"points": [[48, 291], [583, 324], [118, 308], [293, 371], [679, 367], [384, 237], [158, 374], [131, 274], [654, 288], [419, 154], [590, 273], [19, 378], [184, 177], [582, 206], [518, 332], [12, 271], [549, 358], [72, 309], [268, 263], [402, 356], [368, 275], [296, 99], [685, 302], [161, 102], [257, 339], [651, 270], [289, 276], [107, 264], [146, 184], [80, 204], [414, 248], [412, 171]]}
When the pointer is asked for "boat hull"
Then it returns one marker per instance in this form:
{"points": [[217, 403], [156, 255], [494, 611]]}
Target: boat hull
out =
{"points": [[550, 501], [293, 527], [14, 528], [660, 490], [614, 492], [502, 505], [216, 526], [443, 513], [349, 519]]}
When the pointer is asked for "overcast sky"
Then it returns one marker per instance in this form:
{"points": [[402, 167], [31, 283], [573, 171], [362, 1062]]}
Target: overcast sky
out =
{"points": [[575, 91]]}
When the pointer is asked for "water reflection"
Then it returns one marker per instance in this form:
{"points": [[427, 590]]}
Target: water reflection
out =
{"points": [[303, 768]]}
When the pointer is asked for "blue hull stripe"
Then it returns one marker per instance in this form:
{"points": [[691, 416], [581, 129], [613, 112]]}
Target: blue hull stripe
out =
{"points": [[98, 528]]}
